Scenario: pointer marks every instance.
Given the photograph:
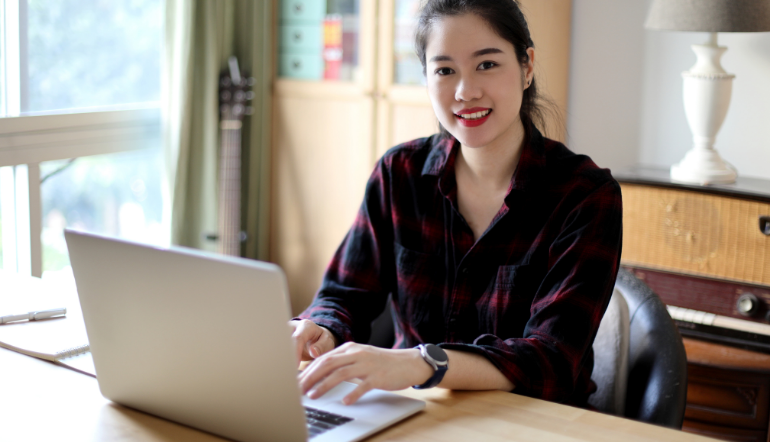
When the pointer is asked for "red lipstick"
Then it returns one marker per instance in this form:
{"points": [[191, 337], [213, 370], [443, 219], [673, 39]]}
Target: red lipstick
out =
{"points": [[473, 110]]}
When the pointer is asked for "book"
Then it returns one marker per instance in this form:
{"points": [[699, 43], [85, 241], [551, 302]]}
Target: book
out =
{"points": [[62, 341], [332, 52]]}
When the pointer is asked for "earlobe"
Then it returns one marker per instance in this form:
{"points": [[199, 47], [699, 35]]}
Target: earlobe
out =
{"points": [[530, 66]]}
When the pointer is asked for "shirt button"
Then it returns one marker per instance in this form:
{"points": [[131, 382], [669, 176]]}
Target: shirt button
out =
{"points": [[464, 270], [453, 320]]}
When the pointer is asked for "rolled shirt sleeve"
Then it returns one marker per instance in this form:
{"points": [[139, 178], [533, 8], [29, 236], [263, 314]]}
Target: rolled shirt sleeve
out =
{"points": [[555, 351], [359, 277]]}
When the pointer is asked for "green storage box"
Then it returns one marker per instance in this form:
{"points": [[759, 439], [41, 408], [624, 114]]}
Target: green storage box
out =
{"points": [[305, 66], [301, 38], [303, 11]]}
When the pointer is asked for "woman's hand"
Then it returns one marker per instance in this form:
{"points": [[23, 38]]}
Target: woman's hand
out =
{"points": [[375, 367], [311, 340]]}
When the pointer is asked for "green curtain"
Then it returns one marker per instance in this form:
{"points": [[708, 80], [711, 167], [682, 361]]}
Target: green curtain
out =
{"points": [[200, 37]]}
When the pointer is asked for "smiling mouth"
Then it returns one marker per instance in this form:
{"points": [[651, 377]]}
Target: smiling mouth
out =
{"points": [[467, 118], [475, 115]]}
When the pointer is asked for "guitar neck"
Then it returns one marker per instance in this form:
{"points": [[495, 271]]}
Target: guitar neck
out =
{"points": [[230, 187], [234, 94]]}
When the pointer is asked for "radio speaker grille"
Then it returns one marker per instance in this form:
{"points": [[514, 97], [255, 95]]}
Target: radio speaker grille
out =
{"points": [[695, 233]]}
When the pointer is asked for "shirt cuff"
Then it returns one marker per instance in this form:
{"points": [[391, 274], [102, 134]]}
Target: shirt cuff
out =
{"points": [[509, 369]]}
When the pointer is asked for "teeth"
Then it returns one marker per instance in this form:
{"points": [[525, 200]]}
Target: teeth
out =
{"points": [[475, 115]]}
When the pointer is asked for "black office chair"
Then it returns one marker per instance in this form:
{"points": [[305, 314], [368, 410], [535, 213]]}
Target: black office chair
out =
{"points": [[656, 378], [657, 363]]}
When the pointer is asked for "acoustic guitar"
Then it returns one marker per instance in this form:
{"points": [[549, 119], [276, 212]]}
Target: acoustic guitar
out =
{"points": [[234, 94]]}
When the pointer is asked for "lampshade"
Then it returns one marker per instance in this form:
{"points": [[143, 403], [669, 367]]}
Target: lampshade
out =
{"points": [[709, 15]]}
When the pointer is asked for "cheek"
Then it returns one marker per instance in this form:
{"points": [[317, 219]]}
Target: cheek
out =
{"points": [[510, 94], [441, 96]]}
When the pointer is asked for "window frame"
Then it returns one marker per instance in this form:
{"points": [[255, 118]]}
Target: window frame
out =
{"points": [[30, 139], [27, 141]]}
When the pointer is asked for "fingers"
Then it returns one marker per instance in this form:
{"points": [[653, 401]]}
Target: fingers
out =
{"points": [[376, 368], [305, 333], [342, 374], [311, 340], [356, 394], [323, 344], [298, 339], [324, 367]]}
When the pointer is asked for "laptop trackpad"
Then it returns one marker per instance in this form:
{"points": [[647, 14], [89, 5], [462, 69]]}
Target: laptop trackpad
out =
{"points": [[334, 395], [376, 409]]}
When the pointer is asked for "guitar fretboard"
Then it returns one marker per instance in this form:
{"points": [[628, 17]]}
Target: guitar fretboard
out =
{"points": [[230, 188]]}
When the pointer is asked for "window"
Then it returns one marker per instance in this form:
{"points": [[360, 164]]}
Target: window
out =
{"points": [[80, 142]]}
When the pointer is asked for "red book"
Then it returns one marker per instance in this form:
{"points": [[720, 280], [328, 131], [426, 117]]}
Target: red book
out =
{"points": [[332, 53]]}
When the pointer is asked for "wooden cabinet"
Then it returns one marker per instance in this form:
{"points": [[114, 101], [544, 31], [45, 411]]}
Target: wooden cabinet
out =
{"points": [[704, 248], [728, 392], [327, 135]]}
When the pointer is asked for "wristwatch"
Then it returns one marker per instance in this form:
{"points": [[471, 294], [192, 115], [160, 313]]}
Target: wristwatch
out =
{"points": [[437, 358]]}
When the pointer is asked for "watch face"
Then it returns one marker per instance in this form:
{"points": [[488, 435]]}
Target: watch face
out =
{"points": [[436, 353]]}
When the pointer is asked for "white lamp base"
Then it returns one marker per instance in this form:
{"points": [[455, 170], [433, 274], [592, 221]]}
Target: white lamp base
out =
{"points": [[703, 166], [707, 91]]}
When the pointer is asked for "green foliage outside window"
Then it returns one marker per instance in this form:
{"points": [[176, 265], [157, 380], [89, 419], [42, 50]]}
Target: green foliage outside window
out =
{"points": [[93, 53]]}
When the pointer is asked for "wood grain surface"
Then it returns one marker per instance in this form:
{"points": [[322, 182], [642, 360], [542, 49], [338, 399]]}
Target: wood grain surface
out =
{"points": [[42, 401], [716, 355]]}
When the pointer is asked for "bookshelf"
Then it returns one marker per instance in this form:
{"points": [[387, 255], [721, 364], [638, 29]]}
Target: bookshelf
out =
{"points": [[328, 134]]}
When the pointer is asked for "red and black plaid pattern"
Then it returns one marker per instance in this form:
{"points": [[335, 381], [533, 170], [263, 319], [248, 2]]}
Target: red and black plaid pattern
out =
{"points": [[528, 295]]}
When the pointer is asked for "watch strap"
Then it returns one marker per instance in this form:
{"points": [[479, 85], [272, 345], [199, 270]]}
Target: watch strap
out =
{"points": [[439, 370]]}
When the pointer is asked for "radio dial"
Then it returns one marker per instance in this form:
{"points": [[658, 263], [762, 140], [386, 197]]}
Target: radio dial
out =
{"points": [[747, 304]]}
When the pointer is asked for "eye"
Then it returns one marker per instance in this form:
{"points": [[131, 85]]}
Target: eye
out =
{"points": [[444, 71], [486, 65]]}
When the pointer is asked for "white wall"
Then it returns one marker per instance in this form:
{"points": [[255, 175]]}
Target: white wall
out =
{"points": [[606, 74], [626, 90]]}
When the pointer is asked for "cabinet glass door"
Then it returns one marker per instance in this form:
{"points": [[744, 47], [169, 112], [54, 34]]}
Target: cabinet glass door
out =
{"points": [[319, 40], [407, 67]]}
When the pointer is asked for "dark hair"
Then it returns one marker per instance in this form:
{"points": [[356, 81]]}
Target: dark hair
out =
{"points": [[504, 18]]}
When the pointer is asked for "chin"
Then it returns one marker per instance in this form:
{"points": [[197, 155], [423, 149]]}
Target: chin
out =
{"points": [[471, 141]]}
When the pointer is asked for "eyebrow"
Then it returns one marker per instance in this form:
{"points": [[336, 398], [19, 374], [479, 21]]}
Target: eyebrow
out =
{"points": [[478, 53]]}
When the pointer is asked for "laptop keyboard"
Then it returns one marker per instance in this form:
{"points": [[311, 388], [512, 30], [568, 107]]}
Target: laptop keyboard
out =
{"points": [[319, 421]]}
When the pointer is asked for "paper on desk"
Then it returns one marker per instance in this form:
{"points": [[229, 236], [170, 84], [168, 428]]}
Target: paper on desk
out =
{"points": [[49, 339]]}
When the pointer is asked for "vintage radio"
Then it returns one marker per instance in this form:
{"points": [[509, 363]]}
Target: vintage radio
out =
{"points": [[705, 250]]}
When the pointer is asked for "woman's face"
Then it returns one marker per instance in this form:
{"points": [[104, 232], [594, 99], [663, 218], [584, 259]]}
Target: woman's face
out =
{"points": [[475, 81]]}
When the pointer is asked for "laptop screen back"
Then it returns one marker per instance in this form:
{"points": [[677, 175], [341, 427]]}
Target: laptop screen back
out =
{"points": [[197, 338]]}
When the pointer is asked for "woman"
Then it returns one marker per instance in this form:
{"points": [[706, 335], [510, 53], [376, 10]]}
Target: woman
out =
{"points": [[498, 245]]}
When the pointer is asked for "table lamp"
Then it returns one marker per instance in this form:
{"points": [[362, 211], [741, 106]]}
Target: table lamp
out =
{"points": [[707, 86]]}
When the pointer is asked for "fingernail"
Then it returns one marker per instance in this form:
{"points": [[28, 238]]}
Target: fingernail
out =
{"points": [[346, 400], [315, 350]]}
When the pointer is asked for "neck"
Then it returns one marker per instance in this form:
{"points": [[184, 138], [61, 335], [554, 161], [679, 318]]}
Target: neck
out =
{"points": [[492, 165]]}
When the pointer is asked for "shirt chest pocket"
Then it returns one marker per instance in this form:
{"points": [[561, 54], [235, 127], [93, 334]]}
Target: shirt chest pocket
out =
{"points": [[504, 307], [420, 277]]}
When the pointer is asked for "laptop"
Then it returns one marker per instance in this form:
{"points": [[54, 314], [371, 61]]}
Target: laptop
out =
{"points": [[202, 339]]}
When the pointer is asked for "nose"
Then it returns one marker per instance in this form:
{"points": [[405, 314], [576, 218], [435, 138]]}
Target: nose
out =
{"points": [[468, 90]]}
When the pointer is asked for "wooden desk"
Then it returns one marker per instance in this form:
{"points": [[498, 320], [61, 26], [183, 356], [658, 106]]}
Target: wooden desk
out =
{"points": [[43, 401]]}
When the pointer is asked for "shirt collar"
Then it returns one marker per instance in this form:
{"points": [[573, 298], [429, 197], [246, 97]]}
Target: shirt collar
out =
{"points": [[531, 167], [532, 163], [442, 149]]}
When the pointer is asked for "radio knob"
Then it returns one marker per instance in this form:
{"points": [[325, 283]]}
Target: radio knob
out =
{"points": [[747, 304]]}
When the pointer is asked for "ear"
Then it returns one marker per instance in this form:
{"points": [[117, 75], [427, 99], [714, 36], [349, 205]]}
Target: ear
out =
{"points": [[529, 68]]}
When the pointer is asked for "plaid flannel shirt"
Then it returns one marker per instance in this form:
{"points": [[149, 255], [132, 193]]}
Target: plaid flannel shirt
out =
{"points": [[528, 295]]}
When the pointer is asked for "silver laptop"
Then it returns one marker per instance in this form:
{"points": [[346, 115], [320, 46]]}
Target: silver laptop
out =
{"points": [[202, 339]]}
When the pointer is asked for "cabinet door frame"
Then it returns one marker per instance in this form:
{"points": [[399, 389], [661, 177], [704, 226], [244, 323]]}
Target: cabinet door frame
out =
{"points": [[306, 221], [390, 95]]}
